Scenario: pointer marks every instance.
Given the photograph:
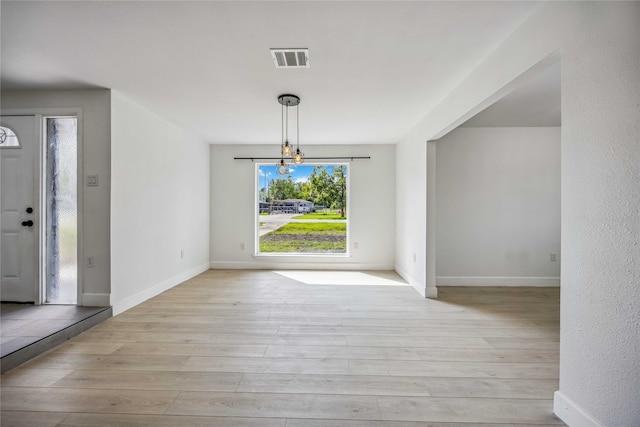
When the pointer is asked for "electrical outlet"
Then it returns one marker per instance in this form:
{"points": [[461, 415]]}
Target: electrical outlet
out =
{"points": [[356, 245], [91, 262], [553, 256], [243, 246], [181, 253], [92, 180], [415, 258]]}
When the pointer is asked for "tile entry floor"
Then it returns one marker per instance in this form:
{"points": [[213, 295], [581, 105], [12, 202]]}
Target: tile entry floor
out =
{"points": [[25, 324], [302, 349]]}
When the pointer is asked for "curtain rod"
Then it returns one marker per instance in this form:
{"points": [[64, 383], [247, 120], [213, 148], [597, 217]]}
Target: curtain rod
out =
{"points": [[306, 158]]}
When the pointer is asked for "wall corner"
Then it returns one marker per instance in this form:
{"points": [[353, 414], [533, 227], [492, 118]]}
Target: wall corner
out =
{"points": [[572, 414]]}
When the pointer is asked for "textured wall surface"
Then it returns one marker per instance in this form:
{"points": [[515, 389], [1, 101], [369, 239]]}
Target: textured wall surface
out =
{"points": [[600, 333]]}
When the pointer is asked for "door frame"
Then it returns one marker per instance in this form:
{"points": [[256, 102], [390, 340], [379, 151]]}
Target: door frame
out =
{"points": [[41, 114]]}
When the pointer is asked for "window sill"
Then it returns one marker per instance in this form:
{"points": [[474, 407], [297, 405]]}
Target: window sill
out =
{"points": [[299, 256]]}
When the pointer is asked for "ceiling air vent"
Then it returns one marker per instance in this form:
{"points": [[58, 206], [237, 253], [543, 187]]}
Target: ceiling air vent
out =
{"points": [[290, 58]]}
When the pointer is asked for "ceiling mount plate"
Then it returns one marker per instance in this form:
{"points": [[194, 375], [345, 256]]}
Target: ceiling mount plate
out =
{"points": [[289, 100]]}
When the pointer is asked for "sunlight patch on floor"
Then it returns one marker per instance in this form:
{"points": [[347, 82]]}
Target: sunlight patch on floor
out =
{"points": [[350, 278]]}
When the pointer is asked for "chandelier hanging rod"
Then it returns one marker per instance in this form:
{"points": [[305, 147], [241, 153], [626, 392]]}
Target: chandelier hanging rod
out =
{"points": [[307, 158]]}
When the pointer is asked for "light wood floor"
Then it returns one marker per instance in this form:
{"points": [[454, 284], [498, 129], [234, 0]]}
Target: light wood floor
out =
{"points": [[262, 349]]}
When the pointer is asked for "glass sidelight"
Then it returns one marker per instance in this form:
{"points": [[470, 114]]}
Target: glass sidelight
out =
{"points": [[61, 196]]}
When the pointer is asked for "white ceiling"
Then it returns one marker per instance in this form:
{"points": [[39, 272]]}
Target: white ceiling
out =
{"points": [[533, 104], [376, 68]]}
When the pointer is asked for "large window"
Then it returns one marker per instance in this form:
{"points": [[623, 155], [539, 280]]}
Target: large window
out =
{"points": [[303, 212]]}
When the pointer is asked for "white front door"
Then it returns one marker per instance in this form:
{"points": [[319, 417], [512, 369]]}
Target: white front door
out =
{"points": [[18, 208]]}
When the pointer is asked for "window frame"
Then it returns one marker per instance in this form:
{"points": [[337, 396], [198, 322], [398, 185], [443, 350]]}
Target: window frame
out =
{"points": [[306, 255], [80, 274]]}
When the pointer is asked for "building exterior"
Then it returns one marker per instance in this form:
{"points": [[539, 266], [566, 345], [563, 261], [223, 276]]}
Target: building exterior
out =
{"points": [[287, 206]]}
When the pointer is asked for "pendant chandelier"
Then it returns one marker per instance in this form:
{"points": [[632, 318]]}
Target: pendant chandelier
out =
{"points": [[286, 149]]}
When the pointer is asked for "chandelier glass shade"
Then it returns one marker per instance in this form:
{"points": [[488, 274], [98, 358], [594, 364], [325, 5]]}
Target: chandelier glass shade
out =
{"points": [[282, 167]]}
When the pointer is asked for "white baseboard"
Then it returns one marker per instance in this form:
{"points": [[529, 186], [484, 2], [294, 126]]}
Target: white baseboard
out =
{"points": [[265, 264], [572, 414], [152, 291], [431, 292], [497, 281], [419, 287], [96, 300]]}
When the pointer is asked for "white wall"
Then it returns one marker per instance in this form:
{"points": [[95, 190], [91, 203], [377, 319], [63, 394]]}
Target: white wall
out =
{"points": [[371, 208], [498, 206], [159, 204], [600, 299], [411, 212], [95, 133], [600, 171]]}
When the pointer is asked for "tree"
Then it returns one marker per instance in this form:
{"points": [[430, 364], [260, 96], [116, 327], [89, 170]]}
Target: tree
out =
{"points": [[321, 186], [340, 188], [281, 189], [327, 189]]}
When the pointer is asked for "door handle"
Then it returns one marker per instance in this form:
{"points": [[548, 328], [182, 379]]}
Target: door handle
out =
{"points": [[28, 223]]}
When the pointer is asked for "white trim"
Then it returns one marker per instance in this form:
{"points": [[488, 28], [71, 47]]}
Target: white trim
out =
{"points": [[571, 413], [410, 280], [259, 265], [293, 256], [95, 300], [431, 292], [430, 209], [80, 205], [256, 210], [41, 207], [75, 113], [497, 281], [152, 291]]}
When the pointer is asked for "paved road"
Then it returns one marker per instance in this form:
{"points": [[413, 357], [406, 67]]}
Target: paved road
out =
{"points": [[273, 222]]}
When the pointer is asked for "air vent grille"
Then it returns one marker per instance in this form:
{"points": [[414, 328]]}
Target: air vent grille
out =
{"points": [[290, 58]]}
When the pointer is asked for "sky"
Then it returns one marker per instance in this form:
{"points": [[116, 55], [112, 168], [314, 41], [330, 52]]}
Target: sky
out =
{"points": [[298, 173]]}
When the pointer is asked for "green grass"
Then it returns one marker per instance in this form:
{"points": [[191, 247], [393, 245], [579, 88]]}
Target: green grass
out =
{"points": [[296, 237], [293, 246], [320, 215], [312, 228], [263, 213]]}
